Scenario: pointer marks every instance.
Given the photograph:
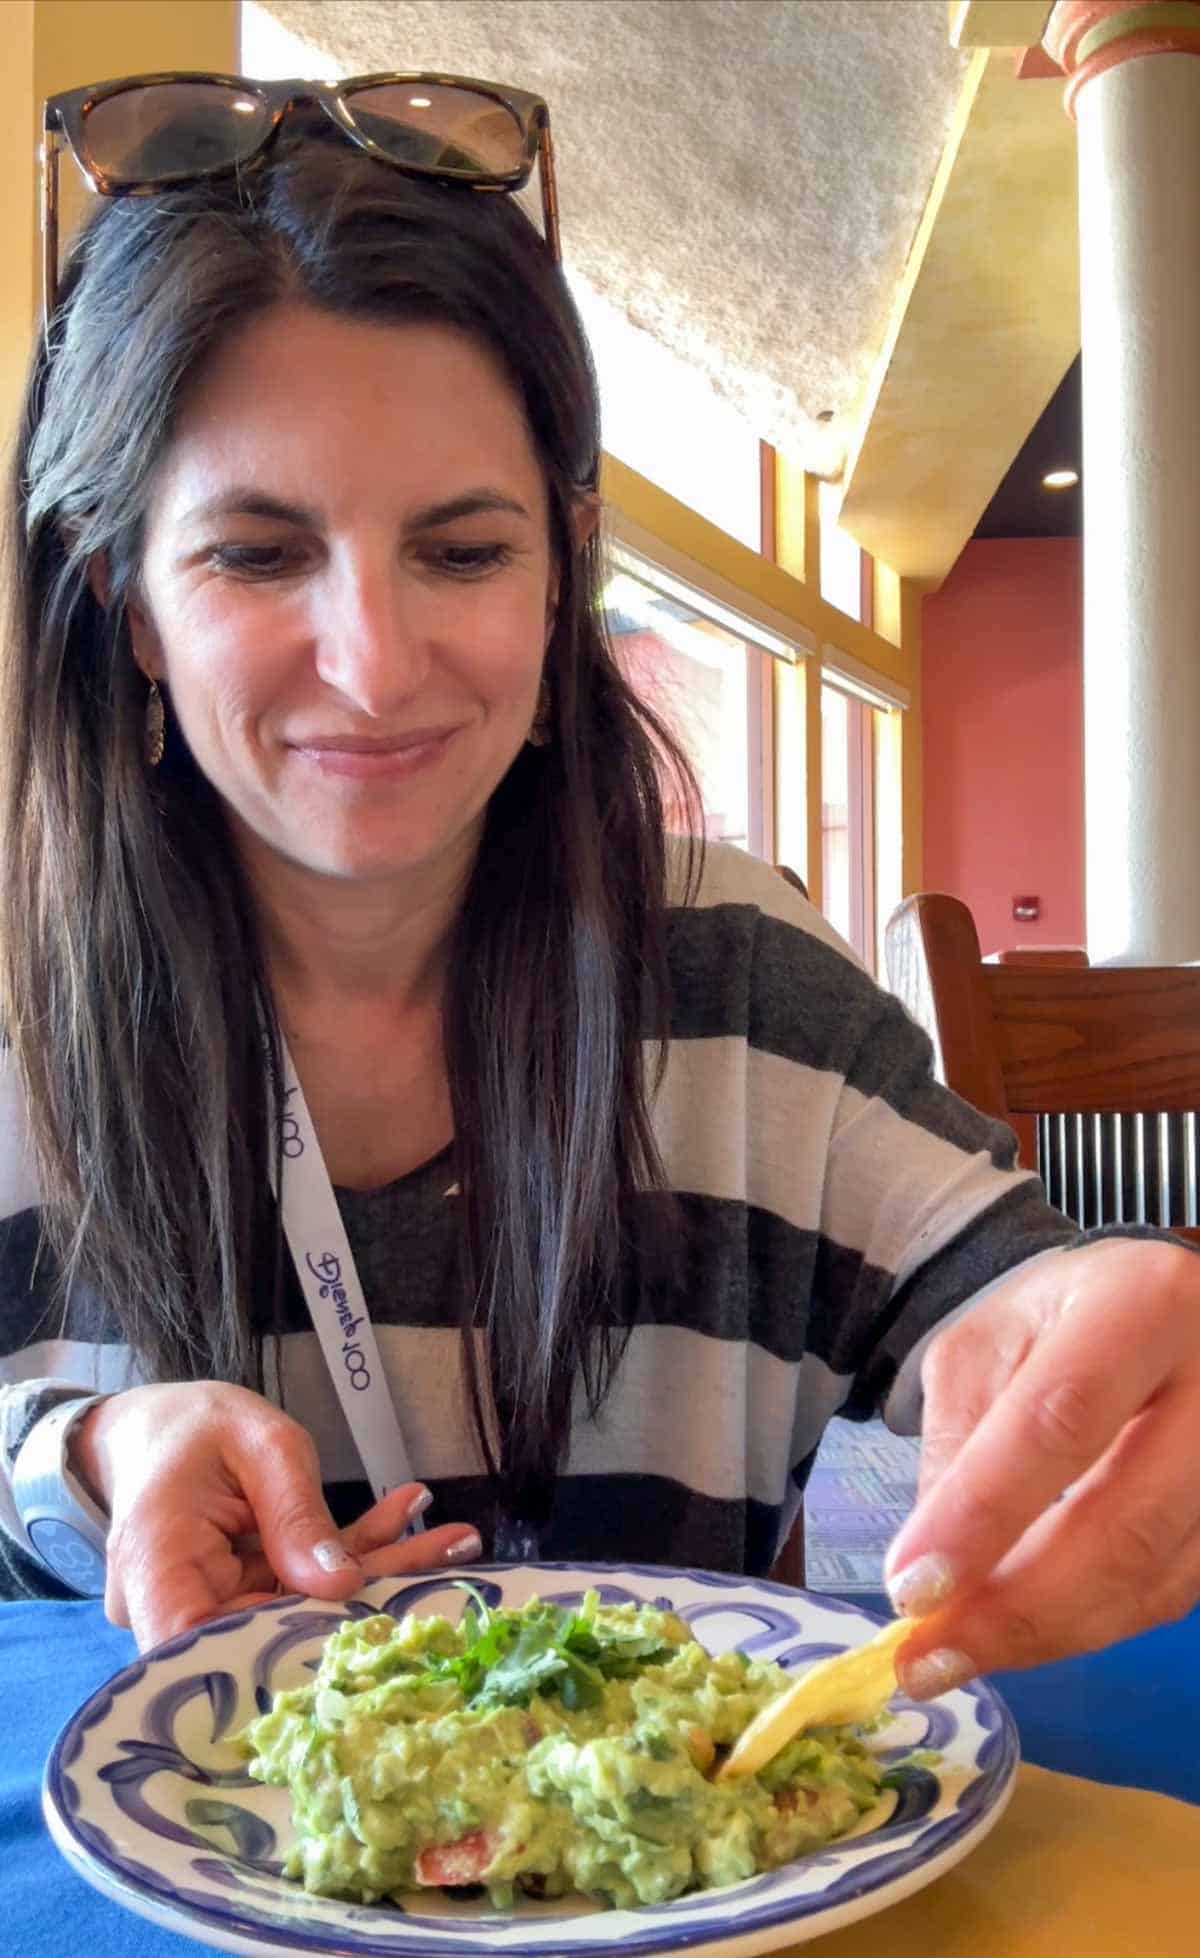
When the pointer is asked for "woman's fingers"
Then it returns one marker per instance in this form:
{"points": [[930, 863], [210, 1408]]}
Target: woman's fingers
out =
{"points": [[275, 1466], [379, 1542], [1119, 1553], [451, 1543], [164, 1592], [217, 1580], [961, 1379], [388, 1519], [217, 1502], [1109, 1338], [379, 1537], [1014, 1620]]}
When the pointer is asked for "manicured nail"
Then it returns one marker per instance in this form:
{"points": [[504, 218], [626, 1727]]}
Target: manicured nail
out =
{"points": [[462, 1551], [926, 1582], [419, 1504], [936, 1672], [334, 1557]]}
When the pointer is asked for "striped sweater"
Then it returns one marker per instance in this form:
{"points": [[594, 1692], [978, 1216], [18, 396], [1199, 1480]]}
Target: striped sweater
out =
{"points": [[837, 1205]]}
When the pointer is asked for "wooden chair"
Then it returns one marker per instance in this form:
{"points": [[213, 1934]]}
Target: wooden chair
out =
{"points": [[1107, 1058], [1041, 955]]}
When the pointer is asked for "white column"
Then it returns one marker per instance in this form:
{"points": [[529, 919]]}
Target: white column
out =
{"points": [[1138, 116]]}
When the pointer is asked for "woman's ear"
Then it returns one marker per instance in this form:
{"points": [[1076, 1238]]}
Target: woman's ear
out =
{"points": [[585, 515], [97, 577], [147, 647]]}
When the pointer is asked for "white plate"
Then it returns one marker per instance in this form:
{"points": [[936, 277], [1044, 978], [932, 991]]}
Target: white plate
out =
{"points": [[149, 1801]]}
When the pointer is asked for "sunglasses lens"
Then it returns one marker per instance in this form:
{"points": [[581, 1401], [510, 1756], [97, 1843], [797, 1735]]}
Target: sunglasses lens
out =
{"points": [[451, 130], [171, 129]]}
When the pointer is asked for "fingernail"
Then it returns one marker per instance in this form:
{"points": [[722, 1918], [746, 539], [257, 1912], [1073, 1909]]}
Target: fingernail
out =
{"points": [[936, 1672], [419, 1504], [462, 1551], [334, 1557], [926, 1582]]}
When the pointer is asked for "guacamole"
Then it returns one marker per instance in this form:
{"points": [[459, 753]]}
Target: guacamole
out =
{"points": [[541, 1751]]}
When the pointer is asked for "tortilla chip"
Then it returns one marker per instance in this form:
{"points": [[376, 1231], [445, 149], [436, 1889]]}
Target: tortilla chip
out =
{"points": [[844, 1691]]}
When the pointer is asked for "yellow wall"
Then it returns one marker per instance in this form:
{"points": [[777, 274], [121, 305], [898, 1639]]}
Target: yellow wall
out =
{"points": [[897, 613], [18, 238], [48, 45], [984, 322], [798, 550]]}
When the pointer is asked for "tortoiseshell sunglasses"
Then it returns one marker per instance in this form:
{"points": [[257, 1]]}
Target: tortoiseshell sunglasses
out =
{"points": [[146, 132]]}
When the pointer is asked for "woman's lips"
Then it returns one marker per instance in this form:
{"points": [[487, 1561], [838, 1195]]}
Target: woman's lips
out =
{"points": [[368, 758]]}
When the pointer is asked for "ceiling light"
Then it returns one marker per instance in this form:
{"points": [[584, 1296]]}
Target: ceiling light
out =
{"points": [[1060, 479], [419, 102]]}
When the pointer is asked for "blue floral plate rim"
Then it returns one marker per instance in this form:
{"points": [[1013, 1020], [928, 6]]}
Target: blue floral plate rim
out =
{"points": [[102, 1764]]}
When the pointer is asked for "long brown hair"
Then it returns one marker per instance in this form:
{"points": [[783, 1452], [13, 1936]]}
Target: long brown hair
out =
{"points": [[134, 985]]}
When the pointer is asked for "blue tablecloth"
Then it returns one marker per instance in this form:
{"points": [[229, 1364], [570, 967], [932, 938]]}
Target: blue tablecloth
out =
{"points": [[1129, 1716]]}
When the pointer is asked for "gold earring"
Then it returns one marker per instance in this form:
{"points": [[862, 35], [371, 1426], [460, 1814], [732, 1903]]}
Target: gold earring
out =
{"points": [[155, 726], [540, 733]]}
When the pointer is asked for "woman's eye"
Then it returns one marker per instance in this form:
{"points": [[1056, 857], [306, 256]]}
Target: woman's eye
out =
{"points": [[470, 560], [255, 560]]}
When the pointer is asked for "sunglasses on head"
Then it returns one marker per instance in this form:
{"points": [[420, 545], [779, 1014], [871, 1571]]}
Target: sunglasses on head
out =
{"points": [[148, 132]]}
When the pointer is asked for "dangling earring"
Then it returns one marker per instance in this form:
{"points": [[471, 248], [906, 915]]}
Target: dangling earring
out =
{"points": [[540, 733], [155, 726]]}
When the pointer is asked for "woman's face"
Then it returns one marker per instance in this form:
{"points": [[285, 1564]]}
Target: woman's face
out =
{"points": [[348, 587]]}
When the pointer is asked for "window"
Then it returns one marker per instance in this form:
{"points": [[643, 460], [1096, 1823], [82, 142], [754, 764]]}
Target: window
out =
{"points": [[841, 557], [692, 673], [848, 818], [706, 673]]}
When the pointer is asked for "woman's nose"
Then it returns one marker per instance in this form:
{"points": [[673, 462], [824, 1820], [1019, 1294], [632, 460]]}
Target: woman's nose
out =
{"points": [[374, 640]]}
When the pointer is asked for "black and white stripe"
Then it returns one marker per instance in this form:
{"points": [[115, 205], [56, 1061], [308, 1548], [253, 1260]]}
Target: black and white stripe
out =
{"points": [[837, 1204]]}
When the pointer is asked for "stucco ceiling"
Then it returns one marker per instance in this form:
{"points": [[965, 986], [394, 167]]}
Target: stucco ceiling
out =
{"points": [[743, 178]]}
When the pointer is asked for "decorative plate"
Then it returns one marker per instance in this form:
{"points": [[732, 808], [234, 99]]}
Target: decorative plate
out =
{"points": [[149, 1801]]}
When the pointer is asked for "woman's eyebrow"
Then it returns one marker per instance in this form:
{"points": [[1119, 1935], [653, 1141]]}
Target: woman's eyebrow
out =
{"points": [[470, 503], [253, 503], [256, 503]]}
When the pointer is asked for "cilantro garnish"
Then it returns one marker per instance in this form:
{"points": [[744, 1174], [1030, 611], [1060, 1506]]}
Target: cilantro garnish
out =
{"points": [[545, 1649]]}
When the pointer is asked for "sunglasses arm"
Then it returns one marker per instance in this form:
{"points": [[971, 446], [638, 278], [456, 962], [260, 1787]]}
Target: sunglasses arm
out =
{"points": [[549, 192], [50, 150]]}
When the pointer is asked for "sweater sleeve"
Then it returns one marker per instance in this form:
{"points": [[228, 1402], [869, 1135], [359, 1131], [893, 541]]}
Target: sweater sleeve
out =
{"points": [[923, 1210], [915, 1199]]}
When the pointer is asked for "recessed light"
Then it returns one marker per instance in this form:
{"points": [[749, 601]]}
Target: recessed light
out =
{"points": [[1060, 479]]}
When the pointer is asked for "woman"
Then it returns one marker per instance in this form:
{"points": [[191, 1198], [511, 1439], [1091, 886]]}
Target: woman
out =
{"points": [[332, 831]]}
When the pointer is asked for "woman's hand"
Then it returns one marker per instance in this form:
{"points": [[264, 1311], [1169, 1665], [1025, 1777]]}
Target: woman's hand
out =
{"points": [[1059, 1505], [215, 1498]]}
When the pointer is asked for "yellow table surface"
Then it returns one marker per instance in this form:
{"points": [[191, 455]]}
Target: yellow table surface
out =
{"points": [[1071, 1870]]}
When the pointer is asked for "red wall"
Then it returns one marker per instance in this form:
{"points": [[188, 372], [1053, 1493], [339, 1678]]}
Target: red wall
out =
{"points": [[1002, 689]]}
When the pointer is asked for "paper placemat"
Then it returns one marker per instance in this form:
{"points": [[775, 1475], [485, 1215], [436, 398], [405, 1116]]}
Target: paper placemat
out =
{"points": [[1073, 1869]]}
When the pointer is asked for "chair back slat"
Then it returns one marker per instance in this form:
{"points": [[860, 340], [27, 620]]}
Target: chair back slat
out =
{"points": [[935, 967], [1096, 1039], [1102, 1061]]}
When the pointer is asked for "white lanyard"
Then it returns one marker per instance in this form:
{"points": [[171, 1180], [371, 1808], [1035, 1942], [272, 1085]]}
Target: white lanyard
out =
{"points": [[329, 1280]]}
